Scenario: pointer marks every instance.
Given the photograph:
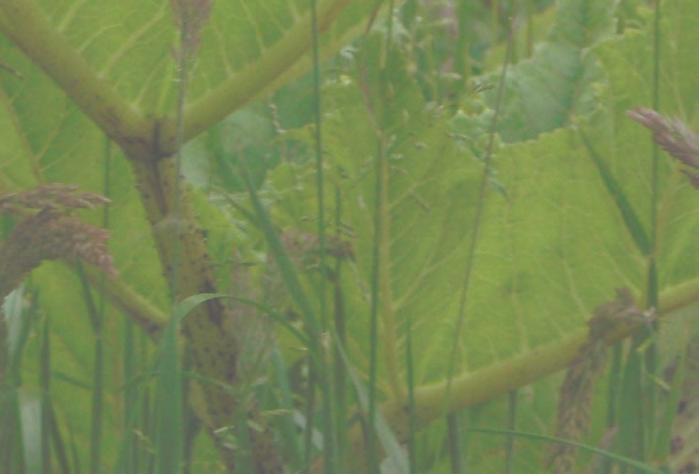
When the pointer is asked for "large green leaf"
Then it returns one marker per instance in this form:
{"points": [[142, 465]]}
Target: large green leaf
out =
{"points": [[545, 91], [555, 242], [553, 245], [132, 42], [537, 268], [45, 137]]}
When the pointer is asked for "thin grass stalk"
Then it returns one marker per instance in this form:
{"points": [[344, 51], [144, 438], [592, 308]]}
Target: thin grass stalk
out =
{"points": [[58, 444], [631, 412], [125, 459], [461, 54], [169, 442], [11, 443], [97, 325], [75, 458], [45, 384], [512, 405], [390, 325], [637, 429], [381, 307], [395, 460], [32, 459], [638, 466], [311, 324], [615, 375], [475, 387], [509, 16], [475, 234], [190, 422], [629, 215], [7, 428], [529, 12], [318, 149], [631, 436], [424, 52], [169, 419], [317, 366], [339, 320], [652, 291], [287, 428], [432, 60], [474, 418], [461, 316], [10, 449], [655, 159], [7, 392], [369, 423], [329, 421], [287, 269], [9, 433], [243, 459], [310, 415], [129, 395], [373, 15], [663, 441], [147, 428], [409, 12], [372, 455], [95, 318], [454, 442], [142, 456], [380, 283], [8, 395], [495, 17], [410, 382]]}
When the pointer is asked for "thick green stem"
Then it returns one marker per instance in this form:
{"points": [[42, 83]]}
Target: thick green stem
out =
{"points": [[251, 81], [472, 388], [213, 346], [148, 316], [481, 385], [28, 27], [141, 138]]}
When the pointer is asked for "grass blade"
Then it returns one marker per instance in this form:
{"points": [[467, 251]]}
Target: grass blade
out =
{"points": [[396, 458], [512, 403], [455, 442], [622, 460], [628, 214], [285, 401], [410, 380], [169, 416], [30, 416], [58, 444], [17, 324], [96, 316], [45, 421], [286, 267]]}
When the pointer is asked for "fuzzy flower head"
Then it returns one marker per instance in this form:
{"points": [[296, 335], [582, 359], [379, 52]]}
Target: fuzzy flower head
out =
{"points": [[47, 231], [190, 17], [673, 136]]}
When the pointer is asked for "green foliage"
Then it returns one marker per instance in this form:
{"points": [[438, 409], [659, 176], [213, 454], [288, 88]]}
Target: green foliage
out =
{"points": [[574, 209], [555, 85]]}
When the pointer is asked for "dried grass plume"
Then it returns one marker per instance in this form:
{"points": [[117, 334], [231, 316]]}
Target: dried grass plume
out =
{"points": [[673, 136], [46, 230]]}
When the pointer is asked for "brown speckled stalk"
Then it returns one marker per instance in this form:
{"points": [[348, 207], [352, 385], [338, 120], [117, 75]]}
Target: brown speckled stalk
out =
{"points": [[186, 265]]}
